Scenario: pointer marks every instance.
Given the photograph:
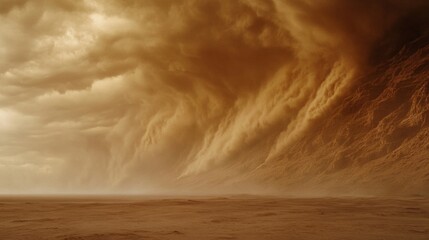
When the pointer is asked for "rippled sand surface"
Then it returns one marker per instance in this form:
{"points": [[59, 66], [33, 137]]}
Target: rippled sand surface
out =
{"points": [[213, 218]]}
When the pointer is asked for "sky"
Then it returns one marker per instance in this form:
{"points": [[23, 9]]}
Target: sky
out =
{"points": [[212, 96]]}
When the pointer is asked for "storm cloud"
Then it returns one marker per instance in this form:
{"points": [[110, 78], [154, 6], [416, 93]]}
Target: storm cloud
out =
{"points": [[190, 95]]}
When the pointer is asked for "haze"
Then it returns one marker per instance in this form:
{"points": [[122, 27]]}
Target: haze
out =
{"points": [[214, 97]]}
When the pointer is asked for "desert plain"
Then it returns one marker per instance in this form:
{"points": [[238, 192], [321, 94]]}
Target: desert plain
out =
{"points": [[212, 217]]}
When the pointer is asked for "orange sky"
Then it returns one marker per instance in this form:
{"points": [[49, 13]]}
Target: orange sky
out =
{"points": [[148, 96]]}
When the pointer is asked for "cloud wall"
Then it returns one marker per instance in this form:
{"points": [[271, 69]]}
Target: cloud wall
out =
{"points": [[170, 96]]}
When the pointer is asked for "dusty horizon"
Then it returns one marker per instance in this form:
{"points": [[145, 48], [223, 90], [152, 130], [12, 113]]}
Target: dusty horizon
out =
{"points": [[306, 98]]}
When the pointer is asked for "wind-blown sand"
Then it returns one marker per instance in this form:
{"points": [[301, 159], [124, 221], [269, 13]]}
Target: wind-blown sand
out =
{"points": [[213, 218], [189, 96]]}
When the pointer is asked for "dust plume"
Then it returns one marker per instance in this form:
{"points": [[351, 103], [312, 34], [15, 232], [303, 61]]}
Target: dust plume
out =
{"points": [[245, 96]]}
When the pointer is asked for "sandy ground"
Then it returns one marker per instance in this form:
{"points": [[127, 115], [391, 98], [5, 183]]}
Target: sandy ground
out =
{"points": [[213, 218]]}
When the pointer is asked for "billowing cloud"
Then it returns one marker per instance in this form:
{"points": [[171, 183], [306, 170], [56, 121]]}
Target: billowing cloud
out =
{"points": [[153, 96]]}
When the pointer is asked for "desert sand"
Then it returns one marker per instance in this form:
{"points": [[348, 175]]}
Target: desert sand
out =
{"points": [[243, 217]]}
